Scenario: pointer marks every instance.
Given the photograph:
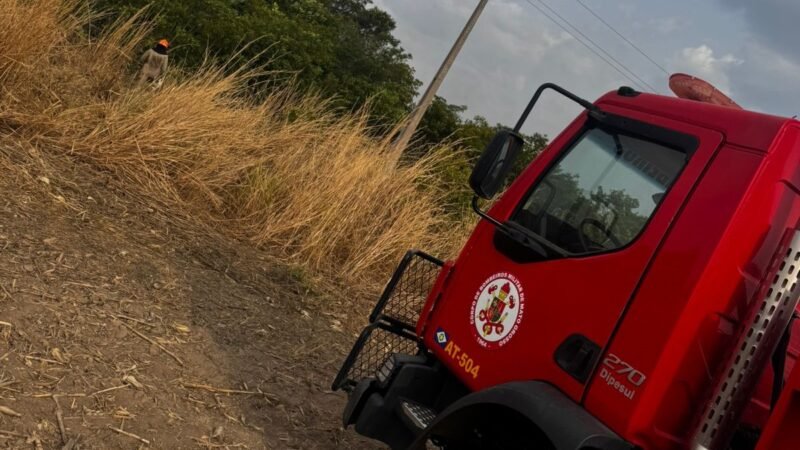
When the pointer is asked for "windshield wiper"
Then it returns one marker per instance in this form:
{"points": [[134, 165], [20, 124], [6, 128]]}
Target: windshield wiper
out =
{"points": [[530, 238], [522, 235]]}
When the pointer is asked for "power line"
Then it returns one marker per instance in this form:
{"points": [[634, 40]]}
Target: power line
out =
{"points": [[588, 47], [584, 44], [610, 56], [592, 12]]}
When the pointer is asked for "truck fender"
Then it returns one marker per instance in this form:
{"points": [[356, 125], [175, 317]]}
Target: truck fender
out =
{"points": [[544, 410]]}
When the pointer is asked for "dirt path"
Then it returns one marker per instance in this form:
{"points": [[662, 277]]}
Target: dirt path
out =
{"points": [[117, 331]]}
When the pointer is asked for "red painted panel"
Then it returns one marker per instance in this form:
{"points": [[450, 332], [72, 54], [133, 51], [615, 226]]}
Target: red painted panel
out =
{"points": [[680, 264], [559, 297], [689, 310], [741, 127]]}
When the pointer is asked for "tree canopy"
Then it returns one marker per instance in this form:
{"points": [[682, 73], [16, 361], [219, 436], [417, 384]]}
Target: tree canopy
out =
{"points": [[444, 122], [342, 49]]}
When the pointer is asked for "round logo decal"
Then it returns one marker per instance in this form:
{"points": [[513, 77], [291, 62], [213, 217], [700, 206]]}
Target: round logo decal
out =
{"points": [[497, 310]]}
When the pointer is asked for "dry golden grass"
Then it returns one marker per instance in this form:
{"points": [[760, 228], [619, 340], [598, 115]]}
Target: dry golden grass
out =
{"points": [[315, 188]]}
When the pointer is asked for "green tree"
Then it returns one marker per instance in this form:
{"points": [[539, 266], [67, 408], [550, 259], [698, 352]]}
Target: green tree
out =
{"points": [[343, 49], [443, 122], [369, 63], [440, 123]]}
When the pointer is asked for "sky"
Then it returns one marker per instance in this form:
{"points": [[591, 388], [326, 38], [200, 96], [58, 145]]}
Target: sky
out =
{"points": [[749, 49]]}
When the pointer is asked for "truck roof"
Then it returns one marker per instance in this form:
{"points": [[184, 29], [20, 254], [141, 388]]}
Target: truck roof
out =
{"points": [[740, 127]]}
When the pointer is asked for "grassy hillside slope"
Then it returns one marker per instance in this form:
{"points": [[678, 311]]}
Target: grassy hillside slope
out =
{"points": [[283, 172]]}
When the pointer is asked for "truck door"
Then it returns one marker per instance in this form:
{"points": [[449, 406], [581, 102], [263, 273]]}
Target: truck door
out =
{"points": [[601, 198]]}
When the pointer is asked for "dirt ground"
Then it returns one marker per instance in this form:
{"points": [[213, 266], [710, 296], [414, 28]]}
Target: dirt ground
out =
{"points": [[120, 331]]}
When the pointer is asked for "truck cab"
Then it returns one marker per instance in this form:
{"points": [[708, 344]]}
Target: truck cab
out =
{"points": [[633, 287]]}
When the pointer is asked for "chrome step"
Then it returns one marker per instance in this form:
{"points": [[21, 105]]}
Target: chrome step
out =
{"points": [[420, 416]]}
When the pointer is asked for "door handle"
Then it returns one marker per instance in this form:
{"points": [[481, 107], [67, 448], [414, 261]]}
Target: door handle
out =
{"points": [[577, 355]]}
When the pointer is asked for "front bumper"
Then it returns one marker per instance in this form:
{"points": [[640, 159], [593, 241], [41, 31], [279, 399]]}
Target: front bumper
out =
{"points": [[380, 409], [388, 364]]}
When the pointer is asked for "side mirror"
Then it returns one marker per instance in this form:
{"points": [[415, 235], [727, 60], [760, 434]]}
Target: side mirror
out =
{"points": [[495, 163]]}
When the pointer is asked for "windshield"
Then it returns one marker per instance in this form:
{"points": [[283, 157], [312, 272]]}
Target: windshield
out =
{"points": [[601, 193]]}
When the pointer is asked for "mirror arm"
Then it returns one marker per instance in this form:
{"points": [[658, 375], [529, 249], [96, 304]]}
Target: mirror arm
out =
{"points": [[594, 111], [483, 215]]}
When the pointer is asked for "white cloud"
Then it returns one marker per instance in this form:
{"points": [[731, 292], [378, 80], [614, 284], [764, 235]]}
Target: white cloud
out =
{"points": [[701, 62]]}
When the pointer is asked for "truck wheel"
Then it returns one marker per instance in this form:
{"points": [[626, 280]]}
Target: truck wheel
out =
{"points": [[496, 442], [491, 429]]}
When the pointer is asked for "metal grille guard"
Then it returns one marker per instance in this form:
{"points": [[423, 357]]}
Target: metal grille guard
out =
{"points": [[393, 320]]}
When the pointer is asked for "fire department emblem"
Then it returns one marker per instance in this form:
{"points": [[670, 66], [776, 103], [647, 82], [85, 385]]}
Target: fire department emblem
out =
{"points": [[497, 310]]}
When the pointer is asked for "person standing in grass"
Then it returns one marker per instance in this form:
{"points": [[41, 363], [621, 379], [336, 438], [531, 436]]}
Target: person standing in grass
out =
{"points": [[154, 63]]}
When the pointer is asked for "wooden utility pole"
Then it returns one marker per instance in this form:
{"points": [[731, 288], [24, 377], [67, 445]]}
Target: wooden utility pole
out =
{"points": [[430, 93]]}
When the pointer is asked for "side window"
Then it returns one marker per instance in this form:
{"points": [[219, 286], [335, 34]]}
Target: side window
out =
{"points": [[601, 193]]}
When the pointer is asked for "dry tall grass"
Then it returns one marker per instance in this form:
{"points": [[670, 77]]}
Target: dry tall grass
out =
{"points": [[316, 189]]}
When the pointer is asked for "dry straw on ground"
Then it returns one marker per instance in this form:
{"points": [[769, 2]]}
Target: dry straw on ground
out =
{"points": [[284, 172]]}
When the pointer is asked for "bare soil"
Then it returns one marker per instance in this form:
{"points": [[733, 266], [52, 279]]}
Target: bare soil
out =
{"points": [[122, 330]]}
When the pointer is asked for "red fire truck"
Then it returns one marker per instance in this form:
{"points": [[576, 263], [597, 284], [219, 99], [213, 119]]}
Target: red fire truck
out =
{"points": [[633, 288]]}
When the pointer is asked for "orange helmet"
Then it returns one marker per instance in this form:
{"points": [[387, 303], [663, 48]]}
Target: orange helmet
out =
{"points": [[164, 42]]}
